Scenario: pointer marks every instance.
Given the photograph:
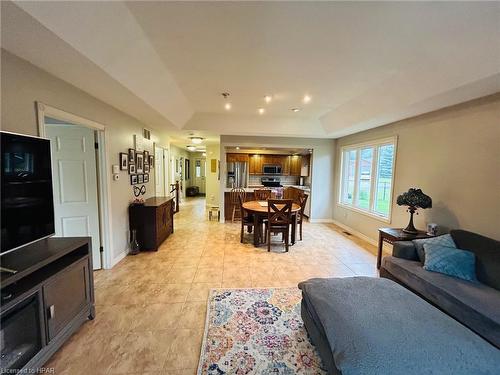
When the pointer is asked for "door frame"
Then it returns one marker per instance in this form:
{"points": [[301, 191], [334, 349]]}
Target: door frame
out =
{"points": [[104, 196]]}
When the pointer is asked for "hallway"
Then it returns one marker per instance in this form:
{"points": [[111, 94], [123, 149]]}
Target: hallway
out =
{"points": [[151, 307]]}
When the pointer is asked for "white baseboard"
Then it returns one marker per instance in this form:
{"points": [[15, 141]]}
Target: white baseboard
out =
{"points": [[321, 221], [118, 258], [356, 233]]}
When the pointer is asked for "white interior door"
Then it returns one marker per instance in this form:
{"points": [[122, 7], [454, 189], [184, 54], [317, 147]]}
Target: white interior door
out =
{"points": [[160, 186], [75, 184], [199, 174]]}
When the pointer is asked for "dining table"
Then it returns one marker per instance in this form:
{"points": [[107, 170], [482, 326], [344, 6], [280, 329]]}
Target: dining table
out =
{"points": [[258, 209]]}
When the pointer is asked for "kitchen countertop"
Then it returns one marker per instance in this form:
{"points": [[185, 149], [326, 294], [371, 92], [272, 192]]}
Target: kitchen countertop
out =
{"points": [[251, 188]]}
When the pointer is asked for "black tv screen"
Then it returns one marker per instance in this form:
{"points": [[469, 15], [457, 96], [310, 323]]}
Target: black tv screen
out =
{"points": [[27, 203]]}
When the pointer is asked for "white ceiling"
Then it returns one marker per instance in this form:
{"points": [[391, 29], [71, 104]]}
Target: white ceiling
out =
{"points": [[365, 64]]}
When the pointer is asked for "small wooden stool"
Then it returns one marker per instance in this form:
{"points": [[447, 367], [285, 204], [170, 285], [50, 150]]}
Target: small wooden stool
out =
{"points": [[214, 212]]}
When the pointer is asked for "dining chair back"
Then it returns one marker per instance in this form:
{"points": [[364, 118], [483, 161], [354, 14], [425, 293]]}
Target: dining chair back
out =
{"points": [[246, 220], [235, 195], [262, 194], [300, 219], [279, 219]]}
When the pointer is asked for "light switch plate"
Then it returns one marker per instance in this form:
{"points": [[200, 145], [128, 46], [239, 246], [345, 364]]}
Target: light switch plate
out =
{"points": [[116, 169]]}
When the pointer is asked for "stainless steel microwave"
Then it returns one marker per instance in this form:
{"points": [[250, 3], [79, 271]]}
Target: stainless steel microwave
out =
{"points": [[271, 169]]}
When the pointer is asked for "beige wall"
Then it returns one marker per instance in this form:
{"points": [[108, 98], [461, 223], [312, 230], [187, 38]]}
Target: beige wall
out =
{"points": [[23, 84], [453, 155], [213, 186]]}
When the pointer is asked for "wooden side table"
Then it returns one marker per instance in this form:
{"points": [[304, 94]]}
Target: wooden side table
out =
{"points": [[391, 235]]}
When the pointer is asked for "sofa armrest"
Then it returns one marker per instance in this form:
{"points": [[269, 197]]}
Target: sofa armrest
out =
{"points": [[404, 250]]}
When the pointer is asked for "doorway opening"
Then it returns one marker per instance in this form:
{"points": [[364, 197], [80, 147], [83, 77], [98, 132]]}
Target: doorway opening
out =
{"points": [[81, 204], [197, 176]]}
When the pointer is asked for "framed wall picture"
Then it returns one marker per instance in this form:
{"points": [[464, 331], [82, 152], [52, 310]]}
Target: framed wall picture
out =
{"points": [[131, 168], [139, 162], [131, 156], [146, 167], [133, 179], [146, 157], [123, 161], [152, 161], [146, 178], [140, 178]]}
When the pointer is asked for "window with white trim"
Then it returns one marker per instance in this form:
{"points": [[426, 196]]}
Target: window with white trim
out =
{"points": [[367, 177]]}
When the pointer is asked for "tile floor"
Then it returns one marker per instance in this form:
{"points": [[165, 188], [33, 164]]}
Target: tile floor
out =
{"points": [[151, 307]]}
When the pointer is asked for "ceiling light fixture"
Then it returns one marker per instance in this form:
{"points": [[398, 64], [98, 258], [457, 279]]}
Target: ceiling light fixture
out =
{"points": [[191, 148], [196, 140], [227, 106], [306, 99], [295, 109], [268, 98], [261, 111], [237, 147]]}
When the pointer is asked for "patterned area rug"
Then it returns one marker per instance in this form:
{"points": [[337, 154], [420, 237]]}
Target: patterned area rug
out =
{"points": [[256, 331]]}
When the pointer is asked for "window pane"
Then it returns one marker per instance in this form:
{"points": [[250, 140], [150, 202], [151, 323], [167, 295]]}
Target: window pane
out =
{"points": [[384, 179], [349, 174], [365, 177]]}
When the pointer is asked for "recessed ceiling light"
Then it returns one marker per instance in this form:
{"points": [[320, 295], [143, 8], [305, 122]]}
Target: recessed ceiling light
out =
{"points": [[295, 109], [191, 148], [261, 111], [268, 98], [227, 106], [196, 140], [306, 99]]}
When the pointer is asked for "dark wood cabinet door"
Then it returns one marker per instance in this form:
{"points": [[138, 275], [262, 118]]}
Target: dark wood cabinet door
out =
{"points": [[65, 296]]}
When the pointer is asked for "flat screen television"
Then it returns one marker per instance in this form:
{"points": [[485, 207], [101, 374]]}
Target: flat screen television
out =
{"points": [[27, 205]]}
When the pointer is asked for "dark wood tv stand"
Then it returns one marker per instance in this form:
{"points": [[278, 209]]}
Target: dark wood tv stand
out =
{"points": [[53, 289]]}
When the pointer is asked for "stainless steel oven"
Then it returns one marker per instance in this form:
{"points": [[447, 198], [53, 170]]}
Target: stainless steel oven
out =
{"points": [[271, 169]]}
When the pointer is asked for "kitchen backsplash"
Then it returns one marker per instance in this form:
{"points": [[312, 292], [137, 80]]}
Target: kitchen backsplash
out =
{"points": [[285, 180]]}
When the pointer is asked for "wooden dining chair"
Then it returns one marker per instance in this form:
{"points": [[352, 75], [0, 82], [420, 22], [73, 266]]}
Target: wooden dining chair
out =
{"points": [[246, 220], [288, 193], [300, 214], [262, 194], [235, 194], [279, 219]]}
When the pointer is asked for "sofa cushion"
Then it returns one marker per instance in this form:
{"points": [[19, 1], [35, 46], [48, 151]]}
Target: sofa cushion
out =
{"points": [[450, 261], [475, 305], [487, 251], [444, 240]]}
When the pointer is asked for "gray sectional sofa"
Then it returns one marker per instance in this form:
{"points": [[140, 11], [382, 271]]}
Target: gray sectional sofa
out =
{"points": [[475, 305]]}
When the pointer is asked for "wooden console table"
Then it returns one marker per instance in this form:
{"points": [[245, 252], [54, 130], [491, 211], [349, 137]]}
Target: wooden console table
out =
{"points": [[153, 221], [391, 235]]}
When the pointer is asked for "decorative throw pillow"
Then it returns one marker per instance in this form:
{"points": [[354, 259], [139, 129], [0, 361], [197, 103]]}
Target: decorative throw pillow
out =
{"points": [[450, 261], [444, 240]]}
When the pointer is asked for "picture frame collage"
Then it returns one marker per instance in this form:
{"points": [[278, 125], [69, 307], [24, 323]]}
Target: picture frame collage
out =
{"points": [[137, 164]]}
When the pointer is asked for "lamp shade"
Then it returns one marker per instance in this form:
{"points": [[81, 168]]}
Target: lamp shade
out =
{"points": [[414, 198]]}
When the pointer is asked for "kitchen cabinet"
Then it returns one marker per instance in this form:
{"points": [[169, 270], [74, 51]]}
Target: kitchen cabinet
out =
{"points": [[286, 166], [295, 165], [237, 158], [255, 164], [305, 165]]}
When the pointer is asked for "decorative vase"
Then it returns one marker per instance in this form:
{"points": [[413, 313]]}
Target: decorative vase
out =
{"points": [[134, 245]]}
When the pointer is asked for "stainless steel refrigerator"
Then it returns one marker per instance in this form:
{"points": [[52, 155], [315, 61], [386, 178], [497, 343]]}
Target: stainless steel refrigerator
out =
{"points": [[237, 174]]}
